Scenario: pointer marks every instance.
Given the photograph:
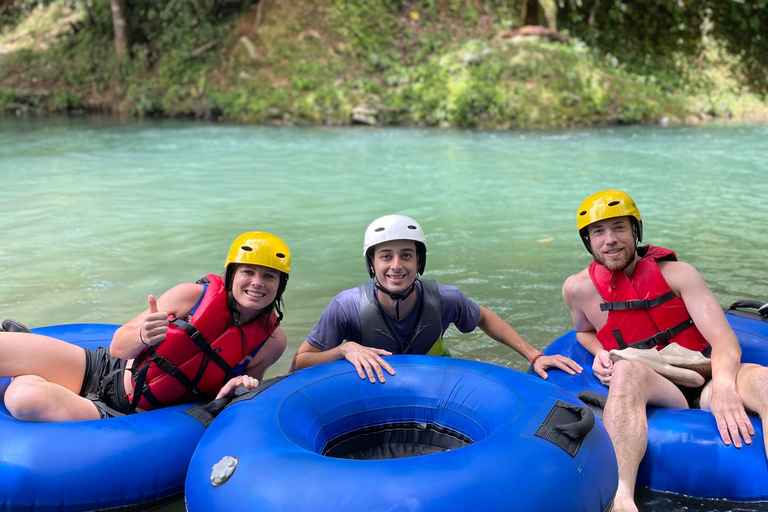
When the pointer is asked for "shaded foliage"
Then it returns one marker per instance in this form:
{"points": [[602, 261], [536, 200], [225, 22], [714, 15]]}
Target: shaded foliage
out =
{"points": [[651, 33], [13, 11], [743, 28], [167, 24], [636, 30]]}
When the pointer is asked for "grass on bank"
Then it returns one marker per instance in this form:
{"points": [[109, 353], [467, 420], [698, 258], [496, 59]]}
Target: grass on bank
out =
{"points": [[332, 61]]}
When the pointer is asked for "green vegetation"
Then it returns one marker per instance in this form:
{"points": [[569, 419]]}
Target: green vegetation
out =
{"points": [[654, 34], [426, 62]]}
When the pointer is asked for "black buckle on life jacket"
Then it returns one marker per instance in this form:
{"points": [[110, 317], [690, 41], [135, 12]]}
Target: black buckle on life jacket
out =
{"points": [[657, 339]]}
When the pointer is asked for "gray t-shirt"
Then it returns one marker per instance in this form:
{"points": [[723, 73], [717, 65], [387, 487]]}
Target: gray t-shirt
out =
{"points": [[341, 319]]}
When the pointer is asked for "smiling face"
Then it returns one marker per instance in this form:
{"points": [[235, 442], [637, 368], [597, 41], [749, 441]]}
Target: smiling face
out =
{"points": [[395, 264], [254, 288], [613, 242]]}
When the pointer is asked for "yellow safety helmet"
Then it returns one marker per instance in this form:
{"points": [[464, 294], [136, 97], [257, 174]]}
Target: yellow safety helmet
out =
{"points": [[260, 248], [607, 205]]}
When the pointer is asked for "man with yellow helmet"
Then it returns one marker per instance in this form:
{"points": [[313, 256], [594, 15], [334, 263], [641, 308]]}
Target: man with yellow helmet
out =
{"points": [[196, 342], [399, 312], [632, 301]]}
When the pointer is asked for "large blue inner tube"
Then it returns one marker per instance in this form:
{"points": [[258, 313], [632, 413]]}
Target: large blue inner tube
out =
{"points": [[685, 454], [277, 439], [116, 463]]}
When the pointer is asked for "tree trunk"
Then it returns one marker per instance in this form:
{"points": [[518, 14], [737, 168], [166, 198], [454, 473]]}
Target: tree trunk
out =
{"points": [[531, 16], [120, 26]]}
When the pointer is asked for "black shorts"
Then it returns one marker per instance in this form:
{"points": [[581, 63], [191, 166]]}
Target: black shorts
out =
{"points": [[693, 395], [103, 383]]}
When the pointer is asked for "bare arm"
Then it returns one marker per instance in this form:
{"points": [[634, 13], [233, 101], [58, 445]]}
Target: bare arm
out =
{"points": [[268, 355], [577, 291], [309, 355], [709, 319], [726, 405], [150, 325], [499, 330]]}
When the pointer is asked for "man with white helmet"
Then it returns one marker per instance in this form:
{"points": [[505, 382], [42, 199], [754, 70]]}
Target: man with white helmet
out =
{"points": [[633, 300], [399, 313]]}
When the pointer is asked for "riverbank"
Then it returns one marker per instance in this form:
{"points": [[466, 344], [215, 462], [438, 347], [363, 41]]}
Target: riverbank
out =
{"points": [[337, 63]]}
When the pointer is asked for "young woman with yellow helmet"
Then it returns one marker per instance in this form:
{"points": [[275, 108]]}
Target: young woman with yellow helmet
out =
{"points": [[197, 341]]}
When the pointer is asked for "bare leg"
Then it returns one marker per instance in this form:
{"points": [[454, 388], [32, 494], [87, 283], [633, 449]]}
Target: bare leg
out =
{"points": [[48, 377], [633, 387], [32, 398], [31, 354]]}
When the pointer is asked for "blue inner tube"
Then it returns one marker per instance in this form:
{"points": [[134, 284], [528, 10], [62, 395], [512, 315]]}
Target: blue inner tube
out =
{"points": [[116, 463], [274, 443], [685, 454]]}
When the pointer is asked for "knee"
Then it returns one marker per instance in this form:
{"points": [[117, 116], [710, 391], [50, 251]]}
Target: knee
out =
{"points": [[758, 375], [753, 380], [629, 374], [23, 398], [628, 380]]}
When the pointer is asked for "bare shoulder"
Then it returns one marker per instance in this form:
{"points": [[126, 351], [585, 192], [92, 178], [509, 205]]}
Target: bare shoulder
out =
{"points": [[577, 285], [279, 339], [681, 275], [275, 346], [180, 299], [582, 298], [269, 354], [185, 291]]}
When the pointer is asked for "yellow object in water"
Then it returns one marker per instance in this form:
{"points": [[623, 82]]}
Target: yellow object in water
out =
{"points": [[545, 240]]}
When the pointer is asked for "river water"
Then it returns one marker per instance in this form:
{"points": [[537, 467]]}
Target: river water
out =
{"points": [[97, 213]]}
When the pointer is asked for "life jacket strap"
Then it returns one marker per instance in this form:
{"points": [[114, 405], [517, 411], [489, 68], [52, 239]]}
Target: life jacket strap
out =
{"points": [[139, 380], [199, 340], [637, 304], [658, 339], [141, 389]]}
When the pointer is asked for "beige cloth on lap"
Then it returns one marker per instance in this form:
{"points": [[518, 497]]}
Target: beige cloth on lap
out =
{"points": [[680, 365]]}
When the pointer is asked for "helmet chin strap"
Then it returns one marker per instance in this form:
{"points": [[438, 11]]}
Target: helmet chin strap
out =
{"points": [[397, 297], [631, 260]]}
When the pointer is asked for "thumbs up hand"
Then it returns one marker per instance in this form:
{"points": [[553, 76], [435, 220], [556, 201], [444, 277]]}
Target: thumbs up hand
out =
{"points": [[152, 304], [155, 324]]}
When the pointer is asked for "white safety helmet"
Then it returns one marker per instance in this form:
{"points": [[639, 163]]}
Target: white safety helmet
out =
{"points": [[394, 227]]}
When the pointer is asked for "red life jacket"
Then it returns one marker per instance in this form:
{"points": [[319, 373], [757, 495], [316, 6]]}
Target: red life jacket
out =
{"points": [[643, 312], [195, 359]]}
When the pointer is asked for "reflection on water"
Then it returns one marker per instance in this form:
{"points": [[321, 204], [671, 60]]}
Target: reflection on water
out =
{"points": [[649, 501], [98, 213]]}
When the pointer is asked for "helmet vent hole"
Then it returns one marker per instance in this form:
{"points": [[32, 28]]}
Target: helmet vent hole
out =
{"points": [[583, 212], [280, 255], [246, 248], [614, 203], [378, 230], [411, 226]]}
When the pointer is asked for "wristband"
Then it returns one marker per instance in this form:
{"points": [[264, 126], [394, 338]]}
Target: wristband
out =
{"points": [[141, 338], [533, 363]]}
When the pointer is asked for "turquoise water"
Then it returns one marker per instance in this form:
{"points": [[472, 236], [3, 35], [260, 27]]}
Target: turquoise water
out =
{"points": [[98, 213]]}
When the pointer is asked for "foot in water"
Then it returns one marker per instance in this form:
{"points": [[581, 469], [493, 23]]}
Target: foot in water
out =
{"points": [[11, 325]]}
